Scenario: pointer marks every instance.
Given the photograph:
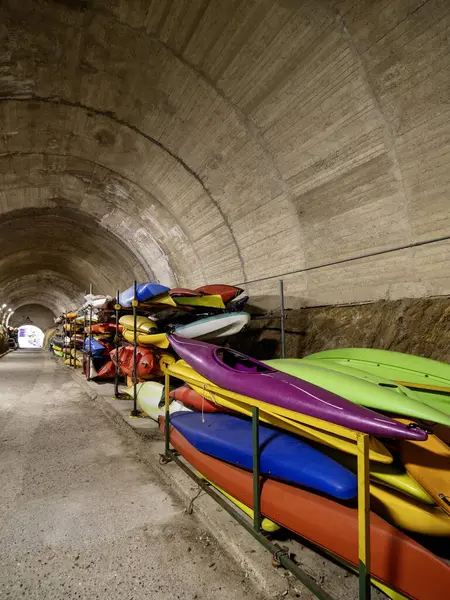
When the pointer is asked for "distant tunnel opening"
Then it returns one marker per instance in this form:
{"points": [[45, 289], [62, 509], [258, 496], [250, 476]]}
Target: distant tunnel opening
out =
{"points": [[30, 336]]}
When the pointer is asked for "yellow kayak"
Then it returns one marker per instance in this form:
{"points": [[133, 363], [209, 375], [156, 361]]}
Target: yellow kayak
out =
{"points": [[277, 416], [147, 339], [392, 476], [266, 524], [73, 363], [408, 514], [214, 301], [143, 324]]}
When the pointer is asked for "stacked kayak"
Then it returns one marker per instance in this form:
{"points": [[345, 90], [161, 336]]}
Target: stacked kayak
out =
{"points": [[309, 466]]}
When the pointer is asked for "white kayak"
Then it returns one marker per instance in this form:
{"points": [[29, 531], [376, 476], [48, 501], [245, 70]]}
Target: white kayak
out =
{"points": [[218, 326], [150, 399]]}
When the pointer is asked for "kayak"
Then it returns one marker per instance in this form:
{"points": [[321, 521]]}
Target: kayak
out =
{"points": [[282, 456], [144, 292], [429, 464], [239, 373], [270, 527], [216, 326], [194, 401], [396, 559], [145, 361], [266, 524], [226, 292], [406, 368], [408, 514], [214, 301], [397, 399], [143, 339], [392, 475], [143, 324], [273, 415], [150, 399]]}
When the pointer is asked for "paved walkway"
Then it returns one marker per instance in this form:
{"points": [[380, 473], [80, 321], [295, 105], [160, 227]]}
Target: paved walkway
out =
{"points": [[80, 516]]}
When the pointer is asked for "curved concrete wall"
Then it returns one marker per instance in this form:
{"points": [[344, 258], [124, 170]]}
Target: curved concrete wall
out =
{"points": [[33, 314], [194, 141]]}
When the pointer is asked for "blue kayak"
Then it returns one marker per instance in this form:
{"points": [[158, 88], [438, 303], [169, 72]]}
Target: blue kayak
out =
{"points": [[145, 291], [283, 456], [97, 349]]}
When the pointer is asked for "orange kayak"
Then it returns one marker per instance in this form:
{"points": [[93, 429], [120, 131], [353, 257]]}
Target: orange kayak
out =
{"points": [[396, 559], [428, 463], [195, 401]]}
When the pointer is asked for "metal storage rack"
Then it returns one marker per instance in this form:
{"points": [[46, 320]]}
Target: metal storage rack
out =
{"points": [[281, 555]]}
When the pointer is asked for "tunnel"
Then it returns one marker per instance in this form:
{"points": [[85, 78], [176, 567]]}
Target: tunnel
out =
{"points": [[250, 143], [189, 142]]}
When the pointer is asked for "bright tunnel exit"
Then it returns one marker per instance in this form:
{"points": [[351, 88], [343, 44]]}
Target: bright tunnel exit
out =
{"points": [[29, 336]]}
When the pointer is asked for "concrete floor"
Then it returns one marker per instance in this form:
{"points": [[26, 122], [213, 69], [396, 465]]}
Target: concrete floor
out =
{"points": [[80, 515]]}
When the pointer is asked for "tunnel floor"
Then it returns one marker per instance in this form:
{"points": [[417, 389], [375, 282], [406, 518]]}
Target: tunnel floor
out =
{"points": [[80, 515]]}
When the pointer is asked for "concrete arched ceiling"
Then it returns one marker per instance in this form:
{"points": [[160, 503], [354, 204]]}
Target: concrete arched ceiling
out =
{"points": [[198, 141]]}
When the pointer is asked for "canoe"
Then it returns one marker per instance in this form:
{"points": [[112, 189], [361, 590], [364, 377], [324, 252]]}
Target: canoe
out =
{"points": [[406, 368], [283, 456], [239, 373], [396, 559], [194, 401], [214, 301], [408, 514], [429, 464], [226, 292], [143, 339], [150, 399], [276, 416], [143, 324], [398, 400], [217, 326], [266, 524], [145, 291]]}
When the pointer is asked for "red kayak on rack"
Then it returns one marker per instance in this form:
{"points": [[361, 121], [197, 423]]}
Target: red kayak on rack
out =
{"points": [[195, 401], [396, 559], [145, 359], [227, 292]]}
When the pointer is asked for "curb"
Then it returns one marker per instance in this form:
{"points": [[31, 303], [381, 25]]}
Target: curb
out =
{"points": [[5, 353]]}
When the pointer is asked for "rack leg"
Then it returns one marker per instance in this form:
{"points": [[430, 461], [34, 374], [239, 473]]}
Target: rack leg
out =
{"points": [[256, 470], [283, 337], [166, 413], [363, 517]]}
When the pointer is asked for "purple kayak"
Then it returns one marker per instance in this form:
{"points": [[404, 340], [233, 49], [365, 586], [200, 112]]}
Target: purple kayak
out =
{"points": [[241, 374]]}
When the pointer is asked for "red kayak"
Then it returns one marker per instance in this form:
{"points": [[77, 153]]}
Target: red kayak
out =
{"points": [[227, 292], [194, 401], [396, 559], [145, 359]]}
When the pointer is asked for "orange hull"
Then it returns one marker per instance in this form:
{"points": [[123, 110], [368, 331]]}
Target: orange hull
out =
{"points": [[396, 559]]}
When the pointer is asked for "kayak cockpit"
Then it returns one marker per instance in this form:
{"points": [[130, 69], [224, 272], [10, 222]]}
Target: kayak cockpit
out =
{"points": [[240, 363]]}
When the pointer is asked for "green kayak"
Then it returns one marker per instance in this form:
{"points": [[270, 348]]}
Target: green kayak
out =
{"points": [[372, 392], [416, 372], [397, 366]]}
